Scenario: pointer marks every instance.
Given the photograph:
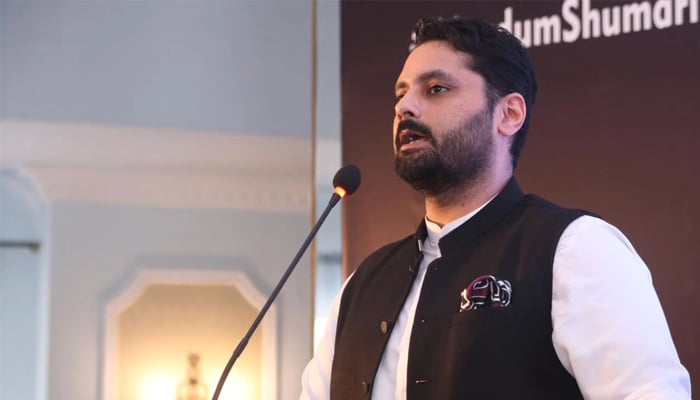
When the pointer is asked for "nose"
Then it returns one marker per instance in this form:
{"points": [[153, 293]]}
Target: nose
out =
{"points": [[407, 107]]}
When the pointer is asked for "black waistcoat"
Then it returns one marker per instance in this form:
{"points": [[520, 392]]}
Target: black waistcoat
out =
{"points": [[495, 353]]}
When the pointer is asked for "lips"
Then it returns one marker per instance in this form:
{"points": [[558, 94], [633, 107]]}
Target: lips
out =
{"points": [[410, 139], [409, 136], [412, 135]]}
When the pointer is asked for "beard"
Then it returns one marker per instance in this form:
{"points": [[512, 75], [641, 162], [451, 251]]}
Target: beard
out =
{"points": [[456, 161]]}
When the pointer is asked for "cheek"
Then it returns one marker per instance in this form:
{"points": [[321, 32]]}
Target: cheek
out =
{"points": [[393, 133]]}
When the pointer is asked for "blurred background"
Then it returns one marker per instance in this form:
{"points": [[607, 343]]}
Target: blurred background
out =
{"points": [[159, 162], [162, 160]]}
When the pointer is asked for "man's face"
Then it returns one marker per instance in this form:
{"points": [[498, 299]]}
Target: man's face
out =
{"points": [[443, 125]]}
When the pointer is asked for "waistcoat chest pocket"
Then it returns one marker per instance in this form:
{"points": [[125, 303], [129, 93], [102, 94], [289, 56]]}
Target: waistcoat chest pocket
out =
{"points": [[490, 313], [500, 315]]}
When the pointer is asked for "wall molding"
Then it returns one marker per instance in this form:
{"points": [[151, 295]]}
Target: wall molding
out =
{"points": [[122, 166], [164, 276]]}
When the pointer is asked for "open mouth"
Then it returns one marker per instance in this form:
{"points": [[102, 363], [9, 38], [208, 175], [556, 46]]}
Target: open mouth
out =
{"points": [[410, 138]]}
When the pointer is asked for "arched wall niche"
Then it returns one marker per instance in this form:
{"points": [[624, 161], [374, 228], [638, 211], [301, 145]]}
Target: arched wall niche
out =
{"points": [[162, 315], [23, 275], [23, 205], [114, 201]]}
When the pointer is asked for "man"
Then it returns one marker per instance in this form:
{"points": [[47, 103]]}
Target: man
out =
{"points": [[498, 294]]}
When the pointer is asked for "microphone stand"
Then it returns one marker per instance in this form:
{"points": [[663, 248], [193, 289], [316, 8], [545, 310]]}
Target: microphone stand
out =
{"points": [[335, 198]]}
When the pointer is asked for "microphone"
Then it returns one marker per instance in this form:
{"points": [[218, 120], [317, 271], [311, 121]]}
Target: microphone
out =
{"points": [[345, 182]]}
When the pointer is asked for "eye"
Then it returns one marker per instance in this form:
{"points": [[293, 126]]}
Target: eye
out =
{"points": [[435, 89], [399, 96]]}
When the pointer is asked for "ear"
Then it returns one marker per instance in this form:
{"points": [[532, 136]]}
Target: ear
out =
{"points": [[511, 114]]}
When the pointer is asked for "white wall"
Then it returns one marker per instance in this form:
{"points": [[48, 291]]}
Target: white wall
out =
{"points": [[328, 273], [233, 66], [21, 217], [236, 69]]}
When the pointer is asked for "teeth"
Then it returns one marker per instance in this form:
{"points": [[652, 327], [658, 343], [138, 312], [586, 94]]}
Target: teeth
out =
{"points": [[413, 138], [409, 138]]}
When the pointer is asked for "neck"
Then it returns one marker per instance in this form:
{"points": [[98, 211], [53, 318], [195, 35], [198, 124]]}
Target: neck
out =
{"points": [[447, 207]]}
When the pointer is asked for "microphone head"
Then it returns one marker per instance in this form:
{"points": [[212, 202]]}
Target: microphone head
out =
{"points": [[348, 178]]}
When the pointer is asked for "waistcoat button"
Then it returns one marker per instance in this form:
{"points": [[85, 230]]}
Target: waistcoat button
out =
{"points": [[384, 326]]}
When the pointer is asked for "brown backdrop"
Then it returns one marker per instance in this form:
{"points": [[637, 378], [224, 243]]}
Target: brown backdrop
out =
{"points": [[614, 131]]}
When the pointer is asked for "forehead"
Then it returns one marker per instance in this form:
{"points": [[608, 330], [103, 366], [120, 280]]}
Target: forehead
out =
{"points": [[436, 55]]}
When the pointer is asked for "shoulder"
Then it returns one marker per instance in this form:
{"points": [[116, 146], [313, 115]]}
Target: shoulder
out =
{"points": [[590, 237], [543, 218], [543, 207]]}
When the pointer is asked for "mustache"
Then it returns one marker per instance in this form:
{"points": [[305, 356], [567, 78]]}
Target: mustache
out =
{"points": [[413, 126]]}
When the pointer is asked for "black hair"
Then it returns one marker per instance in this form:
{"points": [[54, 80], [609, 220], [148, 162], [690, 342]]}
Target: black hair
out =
{"points": [[496, 54]]}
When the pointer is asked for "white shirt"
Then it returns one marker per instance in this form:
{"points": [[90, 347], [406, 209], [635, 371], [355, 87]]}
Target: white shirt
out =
{"points": [[609, 331]]}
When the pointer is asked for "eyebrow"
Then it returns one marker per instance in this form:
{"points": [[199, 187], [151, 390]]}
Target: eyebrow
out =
{"points": [[426, 76]]}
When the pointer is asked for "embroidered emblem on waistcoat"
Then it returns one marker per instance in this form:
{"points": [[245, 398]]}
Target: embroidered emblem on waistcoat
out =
{"points": [[485, 291]]}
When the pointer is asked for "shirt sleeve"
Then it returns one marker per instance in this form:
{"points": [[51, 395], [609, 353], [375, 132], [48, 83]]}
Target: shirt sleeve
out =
{"points": [[316, 379], [609, 330]]}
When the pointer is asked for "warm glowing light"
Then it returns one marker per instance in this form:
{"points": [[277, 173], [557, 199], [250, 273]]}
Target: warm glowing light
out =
{"points": [[157, 336], [235, 388], [158, 386], [340, 191]]}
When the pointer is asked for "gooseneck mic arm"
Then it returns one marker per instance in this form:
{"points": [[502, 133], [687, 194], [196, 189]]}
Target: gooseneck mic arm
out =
{"points": [[346, 181]]}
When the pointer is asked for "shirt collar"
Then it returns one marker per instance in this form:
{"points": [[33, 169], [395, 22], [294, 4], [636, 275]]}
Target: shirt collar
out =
{"points": [[435, 232], [462, 231]]}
